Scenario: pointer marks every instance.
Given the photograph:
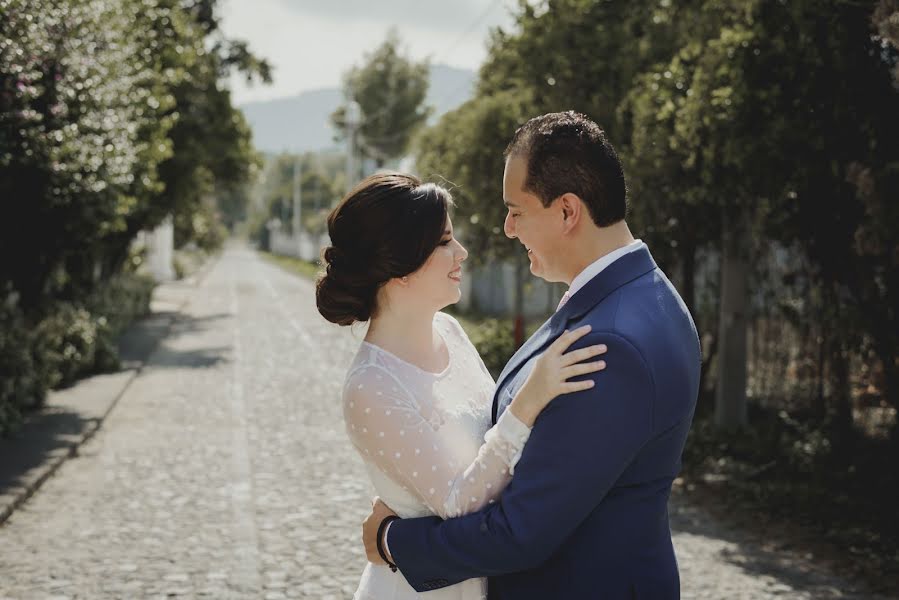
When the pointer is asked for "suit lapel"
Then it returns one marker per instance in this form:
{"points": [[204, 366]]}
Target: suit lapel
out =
{"points": [[621, 272]]}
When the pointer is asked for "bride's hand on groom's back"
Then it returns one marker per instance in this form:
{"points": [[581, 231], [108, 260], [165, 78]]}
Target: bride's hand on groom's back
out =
{"points": [[551, 373]]}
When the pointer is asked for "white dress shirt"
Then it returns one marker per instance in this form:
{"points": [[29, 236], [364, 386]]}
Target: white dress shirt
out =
{"points": [[597, 267]]}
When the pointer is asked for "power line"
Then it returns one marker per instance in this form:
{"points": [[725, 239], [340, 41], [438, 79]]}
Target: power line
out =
{"points": [[469, 30]]}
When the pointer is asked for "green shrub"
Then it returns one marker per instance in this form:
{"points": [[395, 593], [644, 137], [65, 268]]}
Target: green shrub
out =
{"points": [[20, 384], [494, 341], [71, 341], [69, 336], [122, 299]]}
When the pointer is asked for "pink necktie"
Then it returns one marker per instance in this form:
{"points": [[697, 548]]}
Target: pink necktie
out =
{"points": [[562, 302]]}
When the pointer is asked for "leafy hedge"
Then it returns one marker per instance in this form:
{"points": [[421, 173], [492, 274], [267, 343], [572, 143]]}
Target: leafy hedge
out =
{"points": [[70, 341]]}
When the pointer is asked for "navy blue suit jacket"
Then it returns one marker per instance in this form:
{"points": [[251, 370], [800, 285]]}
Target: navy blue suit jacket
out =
{"points": [[585, 515]]}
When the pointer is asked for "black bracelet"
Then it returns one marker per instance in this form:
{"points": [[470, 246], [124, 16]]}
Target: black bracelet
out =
{"points": [[387, 520]]}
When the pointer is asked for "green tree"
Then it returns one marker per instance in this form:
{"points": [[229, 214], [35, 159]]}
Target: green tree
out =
{"points": [[212, 142], [886, 20], [579, 54], [234, 203], [112, 116], [321, 188], [692, 162], [319, 194], [85, 118], [390, 89], [772, 136]]}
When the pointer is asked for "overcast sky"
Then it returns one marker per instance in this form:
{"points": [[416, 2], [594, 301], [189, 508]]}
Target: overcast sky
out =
{"points": [[311, 43]]}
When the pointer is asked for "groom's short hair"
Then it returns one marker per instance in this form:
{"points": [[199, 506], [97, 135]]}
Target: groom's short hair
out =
{"points": [[566, 152]]}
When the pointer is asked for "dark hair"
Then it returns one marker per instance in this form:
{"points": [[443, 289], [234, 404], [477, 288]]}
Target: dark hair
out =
{"points": [[566, 152], [386, 227]]}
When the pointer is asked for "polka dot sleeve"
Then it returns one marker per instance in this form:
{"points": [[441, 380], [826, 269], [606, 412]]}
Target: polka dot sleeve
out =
{"points": [[414, 447]]}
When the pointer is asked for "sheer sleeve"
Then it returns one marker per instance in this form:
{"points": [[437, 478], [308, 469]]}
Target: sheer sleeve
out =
{"points": [[411, 445]]}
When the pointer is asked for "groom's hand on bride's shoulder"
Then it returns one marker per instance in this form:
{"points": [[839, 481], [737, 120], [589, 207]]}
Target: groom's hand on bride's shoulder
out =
{"points": [[379, 512]]}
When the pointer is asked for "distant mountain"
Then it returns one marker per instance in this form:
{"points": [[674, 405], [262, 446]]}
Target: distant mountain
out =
{"points": [[300, 123], [449, 88]]}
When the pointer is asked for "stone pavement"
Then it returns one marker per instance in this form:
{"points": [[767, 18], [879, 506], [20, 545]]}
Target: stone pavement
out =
{"points": [[223, 472], [71, 416]]}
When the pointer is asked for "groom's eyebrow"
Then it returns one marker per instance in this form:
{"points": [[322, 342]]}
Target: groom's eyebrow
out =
{"points": [[510, 204]]}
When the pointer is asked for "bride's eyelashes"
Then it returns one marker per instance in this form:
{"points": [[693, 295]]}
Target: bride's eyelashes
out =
{"points": [[446, 242]]}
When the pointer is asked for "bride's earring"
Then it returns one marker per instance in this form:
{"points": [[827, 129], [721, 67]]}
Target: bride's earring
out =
{"points": [[405, 280]]}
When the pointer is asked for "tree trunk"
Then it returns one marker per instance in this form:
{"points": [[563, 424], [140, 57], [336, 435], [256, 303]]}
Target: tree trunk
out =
{"points": [[820, 406], [840, 417], [730, 399], [886, 351]]}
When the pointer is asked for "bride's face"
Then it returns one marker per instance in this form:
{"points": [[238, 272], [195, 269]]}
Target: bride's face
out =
{"points": [[438, 282]]}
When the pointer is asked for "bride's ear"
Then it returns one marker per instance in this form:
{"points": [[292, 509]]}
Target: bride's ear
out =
{"points": [[399, 281]]}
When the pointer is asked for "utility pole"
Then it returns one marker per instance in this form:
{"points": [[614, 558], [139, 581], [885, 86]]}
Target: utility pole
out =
{"points": [[297, 196], [353, 118]]}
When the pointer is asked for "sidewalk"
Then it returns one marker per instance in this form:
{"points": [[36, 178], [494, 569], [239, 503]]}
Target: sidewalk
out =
{"points": [[71, 416]]}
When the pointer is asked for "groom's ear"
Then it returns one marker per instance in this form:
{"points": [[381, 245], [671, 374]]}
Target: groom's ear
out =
{"points": [[572, 210]]}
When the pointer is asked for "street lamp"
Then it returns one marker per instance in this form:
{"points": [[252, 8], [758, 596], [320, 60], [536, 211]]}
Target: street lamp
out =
{"points": [[353, 119], [296, 222]]}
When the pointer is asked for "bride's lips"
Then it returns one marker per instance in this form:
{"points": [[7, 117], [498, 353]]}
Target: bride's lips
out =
{"points": [[456, 275]]}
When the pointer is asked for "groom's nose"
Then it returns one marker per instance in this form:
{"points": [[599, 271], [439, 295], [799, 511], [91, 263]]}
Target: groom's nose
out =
{"points": [[509, 226]]}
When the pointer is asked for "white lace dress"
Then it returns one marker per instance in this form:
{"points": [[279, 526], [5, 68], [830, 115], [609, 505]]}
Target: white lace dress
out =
{"points": [[427, 444]]}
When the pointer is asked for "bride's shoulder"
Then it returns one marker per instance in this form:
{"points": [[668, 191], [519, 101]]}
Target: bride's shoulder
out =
{"points": [[448, 319], [453, 327], [367, 380], [363, 372]]}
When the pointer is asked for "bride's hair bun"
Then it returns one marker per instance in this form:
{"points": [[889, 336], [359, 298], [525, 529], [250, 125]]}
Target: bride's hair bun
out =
{"points": [[344, 294], [386, 227]]}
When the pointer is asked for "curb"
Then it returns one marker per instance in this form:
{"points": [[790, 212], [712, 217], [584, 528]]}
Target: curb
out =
{"points": [[17, 495], [21, 495]]}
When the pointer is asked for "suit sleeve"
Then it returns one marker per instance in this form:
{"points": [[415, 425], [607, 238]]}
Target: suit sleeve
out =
{"points": [[578, 448]]}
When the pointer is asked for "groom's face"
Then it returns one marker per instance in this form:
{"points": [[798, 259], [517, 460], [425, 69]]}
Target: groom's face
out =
{"points": [[527, 220]]}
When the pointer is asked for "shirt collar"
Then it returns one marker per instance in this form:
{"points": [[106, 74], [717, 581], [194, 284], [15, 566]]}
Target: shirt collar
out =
{"points": [[596, 267]]}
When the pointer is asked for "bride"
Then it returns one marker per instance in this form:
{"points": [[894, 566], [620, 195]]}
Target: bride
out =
{"points": [[417, 397]]}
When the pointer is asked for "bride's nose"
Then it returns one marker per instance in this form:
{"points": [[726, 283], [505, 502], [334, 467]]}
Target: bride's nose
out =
{"points": [[462, 254]]}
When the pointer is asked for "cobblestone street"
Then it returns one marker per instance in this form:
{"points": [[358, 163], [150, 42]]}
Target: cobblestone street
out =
{"points": [[224, 472]]}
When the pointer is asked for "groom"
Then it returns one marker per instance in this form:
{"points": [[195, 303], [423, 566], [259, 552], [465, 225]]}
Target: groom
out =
{"points": [[585, 515]]}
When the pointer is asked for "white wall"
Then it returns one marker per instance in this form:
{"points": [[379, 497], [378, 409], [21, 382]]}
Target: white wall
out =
{"points": [[160, 250]]}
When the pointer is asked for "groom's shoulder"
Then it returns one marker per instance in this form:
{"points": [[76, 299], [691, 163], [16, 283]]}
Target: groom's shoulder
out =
{"points": [[651, 315], [636, 311]]}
